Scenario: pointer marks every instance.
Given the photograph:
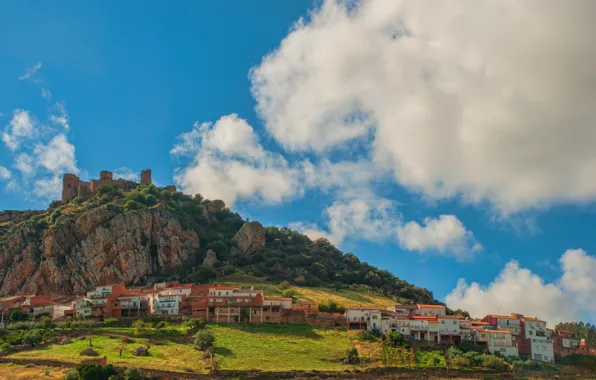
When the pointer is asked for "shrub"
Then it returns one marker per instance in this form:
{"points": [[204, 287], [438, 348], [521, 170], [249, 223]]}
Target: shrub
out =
{"points": [[95, 372], [47, 322], [133, 373], [288, 293], [284, 285], [352, 356], [365, 336], [194, 323], [132, 205], [375, 331], [460, 362], [493, 362], [78, 200], [114, 208], [204, 339], [89, 352], [71, 375], [140, 327], [394, 339], [161, 325], [33, 338], [17, 315], [331, 307]]}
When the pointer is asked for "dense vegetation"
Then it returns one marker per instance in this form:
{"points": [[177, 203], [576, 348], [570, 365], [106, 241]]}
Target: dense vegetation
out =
{"points": [[583, 330], [288, 255]]}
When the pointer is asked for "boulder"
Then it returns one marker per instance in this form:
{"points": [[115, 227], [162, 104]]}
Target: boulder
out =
{"points": [[211, 258], [65, 341], [140, 351], [250, 239], [89, 352]]}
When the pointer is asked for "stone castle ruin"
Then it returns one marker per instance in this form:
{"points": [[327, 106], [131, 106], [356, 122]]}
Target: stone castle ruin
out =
{"points": [[73, 187]]}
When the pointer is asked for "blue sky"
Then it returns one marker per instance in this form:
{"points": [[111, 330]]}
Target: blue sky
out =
{"points": [[422, 145]]}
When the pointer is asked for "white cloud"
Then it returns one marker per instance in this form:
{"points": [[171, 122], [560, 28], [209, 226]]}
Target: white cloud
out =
{"points": [[578, 275], [371, 219], [12, 186], [446, 235], [457, 103], [518, 290], [49, 188], [127, 174], [46, 94], [62, 117], [57, 156], [24, 163], [20, 128], [5, 174], [30, 73], [229, 163]]}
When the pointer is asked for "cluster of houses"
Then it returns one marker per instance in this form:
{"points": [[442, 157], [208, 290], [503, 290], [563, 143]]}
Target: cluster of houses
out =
{"points": [[508, 335], [212, 303]]}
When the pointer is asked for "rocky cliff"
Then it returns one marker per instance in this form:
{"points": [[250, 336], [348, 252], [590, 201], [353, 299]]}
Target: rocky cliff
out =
{"points": [[95, 247], [150, 234]]}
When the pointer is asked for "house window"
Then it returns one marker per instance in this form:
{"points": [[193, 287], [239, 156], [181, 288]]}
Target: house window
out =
{"points": [[531, 332], [442, 322]]}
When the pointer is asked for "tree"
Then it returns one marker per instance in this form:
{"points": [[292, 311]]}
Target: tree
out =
{"points": [[394, 338], [204, 339], [17, 315], [288, 293], [284, 285], [47, 322], [33, 338], [203, 275]]}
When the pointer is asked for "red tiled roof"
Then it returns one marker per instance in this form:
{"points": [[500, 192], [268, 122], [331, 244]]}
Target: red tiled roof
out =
{"points": [[480, 323], [277, 299], [423, 318], [498, 331], [430, 306], [500, 316], [531, 319], [450, 317]]}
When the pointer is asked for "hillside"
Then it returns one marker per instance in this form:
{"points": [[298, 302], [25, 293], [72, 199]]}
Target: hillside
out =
{"points": [[150, 234]]}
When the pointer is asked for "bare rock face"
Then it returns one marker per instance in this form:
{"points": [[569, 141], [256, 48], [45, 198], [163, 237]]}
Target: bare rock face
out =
{"points": [[93, 248], [250, 239], [140, 351], [211, 258]]}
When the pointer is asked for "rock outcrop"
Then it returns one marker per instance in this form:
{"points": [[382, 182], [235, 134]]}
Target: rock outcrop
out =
{"points": [[100, 246], [251, 238], [211, 258]]}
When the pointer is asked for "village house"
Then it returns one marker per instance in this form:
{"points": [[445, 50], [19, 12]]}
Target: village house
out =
{"points": [[429, 310], [564, 342], [501, 342]]}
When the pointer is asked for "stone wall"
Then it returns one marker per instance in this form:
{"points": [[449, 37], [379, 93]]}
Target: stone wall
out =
{"points": [[317, 320]]}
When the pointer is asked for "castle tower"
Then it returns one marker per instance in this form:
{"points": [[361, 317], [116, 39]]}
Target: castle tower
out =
{"points": [[106, 176], [70, 186], [146, 177]]}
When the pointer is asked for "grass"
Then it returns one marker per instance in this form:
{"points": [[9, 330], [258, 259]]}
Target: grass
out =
{"points": [[21, 372], [269, 347], [280, 347], [173, 356], [344, 297]]}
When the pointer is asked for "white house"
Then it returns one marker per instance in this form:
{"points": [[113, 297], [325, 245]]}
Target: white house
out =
{"points": [[429, 310], [501, 341], [161, 304], [541, 345], [283, 302]]}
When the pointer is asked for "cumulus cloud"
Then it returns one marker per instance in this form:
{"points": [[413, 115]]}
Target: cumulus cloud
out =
{"points": [[457, 103], [230, 163], [519, 290], [21, 127], [126, 173], [57, 156], [445, 234], [5, 174], [358, 219], [24, 163]]}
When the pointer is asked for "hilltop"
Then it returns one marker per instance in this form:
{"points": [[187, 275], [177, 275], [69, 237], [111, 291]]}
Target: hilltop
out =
{"points": [[141, 233]]}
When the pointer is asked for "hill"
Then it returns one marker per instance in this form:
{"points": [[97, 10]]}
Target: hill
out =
{"points": [[148, 234]]}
